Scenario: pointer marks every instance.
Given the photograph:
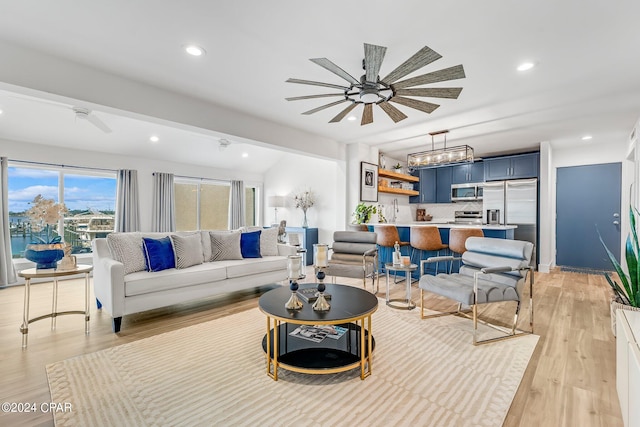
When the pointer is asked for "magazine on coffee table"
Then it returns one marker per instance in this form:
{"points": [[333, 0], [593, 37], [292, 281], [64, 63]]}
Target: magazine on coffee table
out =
{"points": [[311, 294], [318, 333], [310, 333]]}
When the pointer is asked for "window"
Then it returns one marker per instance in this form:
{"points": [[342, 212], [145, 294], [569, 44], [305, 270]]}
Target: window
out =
{"points": [[204, 204], [89, 195]]}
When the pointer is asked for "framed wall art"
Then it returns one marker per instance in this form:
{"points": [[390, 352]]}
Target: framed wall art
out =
{"points": [[368, 182]]}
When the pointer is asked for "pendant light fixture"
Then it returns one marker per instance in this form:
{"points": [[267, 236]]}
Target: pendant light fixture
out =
{"points": [[440, 156]]}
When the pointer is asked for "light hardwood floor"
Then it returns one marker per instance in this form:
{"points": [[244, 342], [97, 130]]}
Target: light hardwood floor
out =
{"points": [[570, 380]]}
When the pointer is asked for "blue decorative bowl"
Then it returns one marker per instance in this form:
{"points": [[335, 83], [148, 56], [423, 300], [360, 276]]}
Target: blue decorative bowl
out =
{"points": [[45, 255]]}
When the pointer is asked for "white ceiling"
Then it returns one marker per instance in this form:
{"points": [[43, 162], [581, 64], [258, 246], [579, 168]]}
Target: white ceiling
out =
{"points": [[585, 82]]}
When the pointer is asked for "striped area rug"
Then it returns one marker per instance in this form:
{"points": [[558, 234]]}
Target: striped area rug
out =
{"points": [[425, 373]]}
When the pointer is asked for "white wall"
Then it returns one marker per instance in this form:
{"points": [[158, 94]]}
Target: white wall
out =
{"points": [[325, 178], [61, 156]]}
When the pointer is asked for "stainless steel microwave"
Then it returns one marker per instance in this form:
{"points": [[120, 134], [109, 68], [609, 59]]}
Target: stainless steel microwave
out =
{"points": [[466, 192]]}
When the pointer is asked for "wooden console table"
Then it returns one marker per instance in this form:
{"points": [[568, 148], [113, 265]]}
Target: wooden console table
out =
{"points": [[33, 273]]}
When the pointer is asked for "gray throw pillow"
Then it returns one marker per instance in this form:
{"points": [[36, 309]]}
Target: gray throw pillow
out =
{"points": [[188, 250], [225, 245], [269, 241], [127, 249]]}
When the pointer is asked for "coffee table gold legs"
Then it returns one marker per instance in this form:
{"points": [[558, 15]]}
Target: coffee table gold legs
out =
{"points": [[366, 357], [272, 338]]}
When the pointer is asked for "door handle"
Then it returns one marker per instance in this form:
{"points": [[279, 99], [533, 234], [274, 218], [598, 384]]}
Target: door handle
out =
{"points": [[616, 215], [616, 222]]}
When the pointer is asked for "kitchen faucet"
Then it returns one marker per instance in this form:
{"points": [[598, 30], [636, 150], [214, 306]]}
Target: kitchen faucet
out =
{"points": [[395, 211]]}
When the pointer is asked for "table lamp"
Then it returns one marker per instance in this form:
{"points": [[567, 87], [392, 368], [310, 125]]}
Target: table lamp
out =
{"points": [[276, 202]]}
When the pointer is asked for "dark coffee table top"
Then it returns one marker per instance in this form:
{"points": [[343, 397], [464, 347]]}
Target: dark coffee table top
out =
{"points": [[347, 303]]}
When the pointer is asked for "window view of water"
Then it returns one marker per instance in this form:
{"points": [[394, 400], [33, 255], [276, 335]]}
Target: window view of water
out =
{"points": [[88, 197]]}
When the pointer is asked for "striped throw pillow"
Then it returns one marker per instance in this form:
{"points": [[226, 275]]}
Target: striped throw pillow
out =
{"points": [[188, 250]]}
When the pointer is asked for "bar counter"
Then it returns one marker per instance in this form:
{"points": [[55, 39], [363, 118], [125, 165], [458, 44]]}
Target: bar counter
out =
{"points": [[404, 230]]}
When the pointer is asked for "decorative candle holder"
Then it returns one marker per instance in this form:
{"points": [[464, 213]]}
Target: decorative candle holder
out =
{"points": [[294, 270], [321, 303]]}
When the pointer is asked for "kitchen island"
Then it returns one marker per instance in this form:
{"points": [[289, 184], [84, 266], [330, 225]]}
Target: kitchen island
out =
{"points": [[404, 230]]}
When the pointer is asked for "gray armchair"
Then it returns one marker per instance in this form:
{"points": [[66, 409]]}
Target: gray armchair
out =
{"points": [[493, 270], [354, 254]]}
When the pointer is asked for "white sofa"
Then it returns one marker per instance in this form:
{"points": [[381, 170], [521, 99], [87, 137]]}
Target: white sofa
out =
{"points": [[121, 294]]}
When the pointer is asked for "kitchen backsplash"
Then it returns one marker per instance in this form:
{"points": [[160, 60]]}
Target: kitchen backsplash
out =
{"points": [[406, 212], [443, 212]]}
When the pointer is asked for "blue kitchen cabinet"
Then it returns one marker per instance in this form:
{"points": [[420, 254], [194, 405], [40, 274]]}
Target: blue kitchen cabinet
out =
{"points": [[468, 172], [512, 167], [426, 187], [443, 184]]}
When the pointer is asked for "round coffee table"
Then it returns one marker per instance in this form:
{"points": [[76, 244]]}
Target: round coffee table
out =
{"points": [[351, 309]]}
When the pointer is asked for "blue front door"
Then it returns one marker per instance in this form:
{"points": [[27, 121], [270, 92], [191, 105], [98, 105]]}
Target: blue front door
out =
{"points": [[588, 201]]}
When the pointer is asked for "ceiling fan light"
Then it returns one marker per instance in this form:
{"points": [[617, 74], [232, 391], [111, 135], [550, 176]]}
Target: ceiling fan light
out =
{"points": [[369, 95]]}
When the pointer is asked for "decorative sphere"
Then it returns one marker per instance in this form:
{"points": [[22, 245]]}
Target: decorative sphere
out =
{"points": [[321, 287], [293, 285], [320, 275]]}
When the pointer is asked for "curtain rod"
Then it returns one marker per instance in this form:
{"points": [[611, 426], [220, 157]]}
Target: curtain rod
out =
{"points": [[61, 166], [201, 179]]}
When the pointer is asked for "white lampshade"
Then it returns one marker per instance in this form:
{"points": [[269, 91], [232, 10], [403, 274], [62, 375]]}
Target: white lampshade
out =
{"points": [[321, 255], [276, 202], [294, 267]]}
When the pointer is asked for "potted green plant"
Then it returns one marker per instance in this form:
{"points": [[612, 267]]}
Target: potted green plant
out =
{"points": [[627, 293], [363, 213]]}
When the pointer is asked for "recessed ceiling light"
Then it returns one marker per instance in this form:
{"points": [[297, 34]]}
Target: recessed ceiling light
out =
{"points": [[0, 111], [154, 139], [245, 154], [351, 118], [194, 50], [526, 66], [586, 137]]}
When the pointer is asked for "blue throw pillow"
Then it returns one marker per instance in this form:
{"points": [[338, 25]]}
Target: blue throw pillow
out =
{"points": [[250, 244], [158, 254]]}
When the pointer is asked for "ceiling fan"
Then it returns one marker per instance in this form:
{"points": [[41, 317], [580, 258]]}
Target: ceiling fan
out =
{"points": [[370, 89], [81, 113], [86, 114]]}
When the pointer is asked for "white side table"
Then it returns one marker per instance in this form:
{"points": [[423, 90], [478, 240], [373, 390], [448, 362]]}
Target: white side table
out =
{"points": [[33, 273], [402, 304]]}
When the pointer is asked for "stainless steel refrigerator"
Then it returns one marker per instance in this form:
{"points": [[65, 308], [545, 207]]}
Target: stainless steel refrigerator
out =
{"points": [[517, 201]]}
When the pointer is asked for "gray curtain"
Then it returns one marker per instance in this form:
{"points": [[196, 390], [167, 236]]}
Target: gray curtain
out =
{"points": [[7, 271], [127, 201], [236, 205], [164, 207]]}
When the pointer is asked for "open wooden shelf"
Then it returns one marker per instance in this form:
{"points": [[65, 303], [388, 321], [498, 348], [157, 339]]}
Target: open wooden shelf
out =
{"points": [[397, 176], [391, 190]]}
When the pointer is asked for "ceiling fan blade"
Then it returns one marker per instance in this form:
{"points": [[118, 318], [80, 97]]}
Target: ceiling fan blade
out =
{"points": [[395, 114], [94, 120], [433, 92], [328, 65], [424, 56], [373, 57], [451, 73], [324, 95], [367, 115], [427, 107], [315, 110], [341, 115], [312, 83]]}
